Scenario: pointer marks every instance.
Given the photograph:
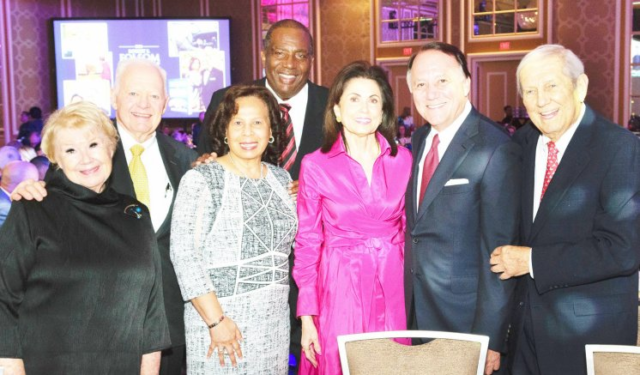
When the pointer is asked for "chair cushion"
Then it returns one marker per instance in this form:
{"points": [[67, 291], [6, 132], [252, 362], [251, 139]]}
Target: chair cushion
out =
{"points": [[616, 363], [437, 357]]}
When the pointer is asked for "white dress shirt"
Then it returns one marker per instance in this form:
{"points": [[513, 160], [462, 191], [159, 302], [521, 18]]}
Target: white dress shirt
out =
{"points": [[298, 110], [160, 189], [445, 136], [542, 150]]}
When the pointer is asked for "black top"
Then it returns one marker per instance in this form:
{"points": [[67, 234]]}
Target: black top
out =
{"points": [[80, 283]]}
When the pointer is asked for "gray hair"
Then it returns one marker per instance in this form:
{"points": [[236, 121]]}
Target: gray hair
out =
{"points": [[573, 66], [123, 65]]}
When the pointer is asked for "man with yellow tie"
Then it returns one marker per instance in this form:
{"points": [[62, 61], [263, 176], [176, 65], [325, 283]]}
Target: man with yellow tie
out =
{"points": [[147, 165]]}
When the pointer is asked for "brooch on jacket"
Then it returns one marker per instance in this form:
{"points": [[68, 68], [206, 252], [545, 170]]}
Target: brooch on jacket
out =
{"points": [[133, 210]]}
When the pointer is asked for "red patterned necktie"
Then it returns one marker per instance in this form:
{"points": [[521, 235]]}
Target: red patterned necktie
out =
{"points": [[552, 165], [430, 164], [289, 154]]}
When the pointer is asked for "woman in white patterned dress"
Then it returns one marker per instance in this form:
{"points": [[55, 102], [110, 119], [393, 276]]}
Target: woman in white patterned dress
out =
{"points": [[232, 230]]}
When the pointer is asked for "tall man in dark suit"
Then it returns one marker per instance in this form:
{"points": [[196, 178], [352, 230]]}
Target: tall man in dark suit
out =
{"points": [[287, 58], [140, 98], [580, 217], [462, 201]]}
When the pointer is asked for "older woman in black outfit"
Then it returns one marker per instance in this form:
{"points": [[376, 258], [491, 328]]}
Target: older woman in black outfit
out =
{"points": [[80, 279]]}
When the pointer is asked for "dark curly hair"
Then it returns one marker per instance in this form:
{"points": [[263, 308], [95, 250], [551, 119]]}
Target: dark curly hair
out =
{"points": [[360, 69], [228, 108]]}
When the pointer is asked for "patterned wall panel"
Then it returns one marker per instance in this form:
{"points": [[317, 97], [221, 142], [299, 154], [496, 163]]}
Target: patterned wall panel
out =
{"points": [[30, 45], [345, 28], [588, 29], [5, 113], [91, 9], [457, 29], [240, 12], [182, 8], [29, 39]]}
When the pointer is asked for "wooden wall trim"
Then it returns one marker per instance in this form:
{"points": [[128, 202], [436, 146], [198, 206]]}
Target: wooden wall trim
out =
{"points": [[257, 39], [542, 18], [373, 10], [9, 114], [473, 59], [488, 88], [318, 41], [621, 88], [66, 9], [549, 20], [448, 37]]}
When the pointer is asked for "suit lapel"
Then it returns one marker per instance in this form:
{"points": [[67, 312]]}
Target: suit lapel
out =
{"points": [[168, 154], [457, 151], [169, 159], [120, 177], [420, 150], [310, 132], [575, 159], [529, 166]]}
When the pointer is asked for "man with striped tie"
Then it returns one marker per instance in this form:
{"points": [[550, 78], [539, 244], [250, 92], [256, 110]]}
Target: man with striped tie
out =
{"points": [[287, 58], [578, 269]]}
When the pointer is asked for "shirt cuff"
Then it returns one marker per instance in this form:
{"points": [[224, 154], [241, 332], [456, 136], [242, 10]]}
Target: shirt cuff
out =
{"points": [[531, 263]]}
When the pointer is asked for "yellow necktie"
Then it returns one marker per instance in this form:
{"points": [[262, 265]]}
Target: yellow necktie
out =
{"points": [[139, 175]]}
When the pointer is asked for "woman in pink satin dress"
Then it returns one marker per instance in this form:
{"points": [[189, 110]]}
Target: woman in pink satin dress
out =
{"points": [[349, 252]]}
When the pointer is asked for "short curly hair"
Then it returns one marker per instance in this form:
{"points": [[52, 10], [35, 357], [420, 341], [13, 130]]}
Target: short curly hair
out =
{"points": [[76, 116], [229, 107]]}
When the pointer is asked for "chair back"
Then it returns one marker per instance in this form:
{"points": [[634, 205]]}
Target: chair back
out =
{"points": [[613, 360], [446, 354]]}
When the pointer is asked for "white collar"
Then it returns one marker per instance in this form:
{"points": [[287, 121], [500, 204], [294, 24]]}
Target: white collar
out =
{"points": [[446, 135], [128, 141], [563, 142], [297, 101]]}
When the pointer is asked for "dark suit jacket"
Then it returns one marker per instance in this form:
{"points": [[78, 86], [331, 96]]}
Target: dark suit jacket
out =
{"points": [[5, 206], [177, 160], [312, 129], [451, 237], [586, 245]]}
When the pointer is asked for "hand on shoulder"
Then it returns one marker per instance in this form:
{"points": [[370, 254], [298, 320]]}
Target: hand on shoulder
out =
{"points": [[29, 190]]}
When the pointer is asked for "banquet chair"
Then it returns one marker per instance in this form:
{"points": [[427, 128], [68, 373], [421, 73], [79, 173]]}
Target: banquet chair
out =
{"points": [[446, 354], [613, 360]]}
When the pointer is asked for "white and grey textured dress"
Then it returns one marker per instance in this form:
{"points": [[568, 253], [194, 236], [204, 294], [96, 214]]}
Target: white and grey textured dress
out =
{"points": [[232, 236]]}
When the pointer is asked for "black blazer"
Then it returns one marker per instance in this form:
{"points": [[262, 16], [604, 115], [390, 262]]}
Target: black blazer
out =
{"points": [[177, 160], [312, 129], [586, 245], [470, 207]]}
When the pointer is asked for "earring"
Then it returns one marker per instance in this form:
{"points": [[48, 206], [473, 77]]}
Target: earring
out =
{"points": [[338, 118], [226, 141], [271, 139]]}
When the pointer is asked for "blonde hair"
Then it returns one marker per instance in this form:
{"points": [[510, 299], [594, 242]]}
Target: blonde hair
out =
{"points": [[76, 116]]}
